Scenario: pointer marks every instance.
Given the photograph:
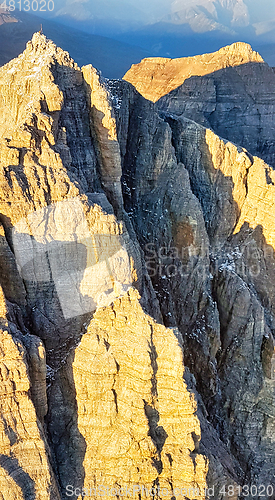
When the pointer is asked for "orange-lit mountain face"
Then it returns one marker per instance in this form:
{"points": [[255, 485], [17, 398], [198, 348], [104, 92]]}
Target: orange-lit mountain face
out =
{"points": [[230, 91], [137, 287], [155, 77]]}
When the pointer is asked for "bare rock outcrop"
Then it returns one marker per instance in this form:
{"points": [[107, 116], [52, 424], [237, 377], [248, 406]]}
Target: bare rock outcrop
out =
{"points": [[138, 330], [207, 263], [25, 470], [103, 125], [157, 76], [237, 103], [77, 270], [134, 411]]}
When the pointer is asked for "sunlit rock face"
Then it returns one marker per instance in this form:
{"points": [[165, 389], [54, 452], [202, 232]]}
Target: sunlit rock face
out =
{"points": [[106, 403], [230, 91], [137, 275], [55, 245], [25, 468], [155, 77]]}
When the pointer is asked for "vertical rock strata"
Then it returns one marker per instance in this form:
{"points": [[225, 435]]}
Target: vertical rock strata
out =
{"points": [[235, 190], [25, 470], [134, 410], [103, 126], [137, 294], [212, 266], [101, 397]]}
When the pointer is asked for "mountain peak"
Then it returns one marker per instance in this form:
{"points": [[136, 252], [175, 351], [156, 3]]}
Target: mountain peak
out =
{"points": [[40, 45], [156, 77], [36, 77], [241, 49]]}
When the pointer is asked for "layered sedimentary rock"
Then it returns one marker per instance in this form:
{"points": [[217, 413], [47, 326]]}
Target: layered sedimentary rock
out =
{"points": [[132, 253], [242, 256], [237, 103], [157, 76], [135, 417], [25, 470], [207, 262], [103, 125], [230, 91], [73, 272]]}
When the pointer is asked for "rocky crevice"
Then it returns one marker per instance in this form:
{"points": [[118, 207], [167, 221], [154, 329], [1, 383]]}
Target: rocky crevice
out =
{"points": [[129, 400], [78, 266], [228, 183]]}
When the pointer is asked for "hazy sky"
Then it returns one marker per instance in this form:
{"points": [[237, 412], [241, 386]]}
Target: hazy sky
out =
{"points": [[141, 10], [152, 10], [260, 10]]}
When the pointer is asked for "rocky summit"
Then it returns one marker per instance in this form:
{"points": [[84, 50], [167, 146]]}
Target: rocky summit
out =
{"points": [[230, 91], [137, 289], [155, 77]]}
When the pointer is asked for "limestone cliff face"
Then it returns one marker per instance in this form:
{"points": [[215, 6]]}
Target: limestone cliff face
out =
{"points": [[237, 103], [134, 412], [212, 266], [104, 406], [138, 331], [157, 76], [230, 91], [103, 125], [25, 470], [234, 189]]}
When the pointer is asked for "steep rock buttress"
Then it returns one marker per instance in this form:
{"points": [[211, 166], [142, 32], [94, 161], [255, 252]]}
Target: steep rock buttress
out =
{"points": [[102, 380]]}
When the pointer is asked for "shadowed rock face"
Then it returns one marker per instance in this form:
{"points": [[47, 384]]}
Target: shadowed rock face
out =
{"points": [[137, 274], [230, 91], [201, 218], [236, 103], [157, 76]]}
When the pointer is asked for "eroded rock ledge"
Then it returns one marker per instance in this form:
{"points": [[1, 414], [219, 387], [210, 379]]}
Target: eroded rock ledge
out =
{"points": [[137, 329], [155, 77]]}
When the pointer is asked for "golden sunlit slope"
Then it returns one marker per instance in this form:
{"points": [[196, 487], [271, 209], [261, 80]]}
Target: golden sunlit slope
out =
{"points": [[155, 77]]}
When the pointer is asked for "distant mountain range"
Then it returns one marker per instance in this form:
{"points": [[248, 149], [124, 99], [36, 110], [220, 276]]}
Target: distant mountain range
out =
{"points": [[114, 35], [112, 57], [196, 26], [175, 28], [209, 15]]}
